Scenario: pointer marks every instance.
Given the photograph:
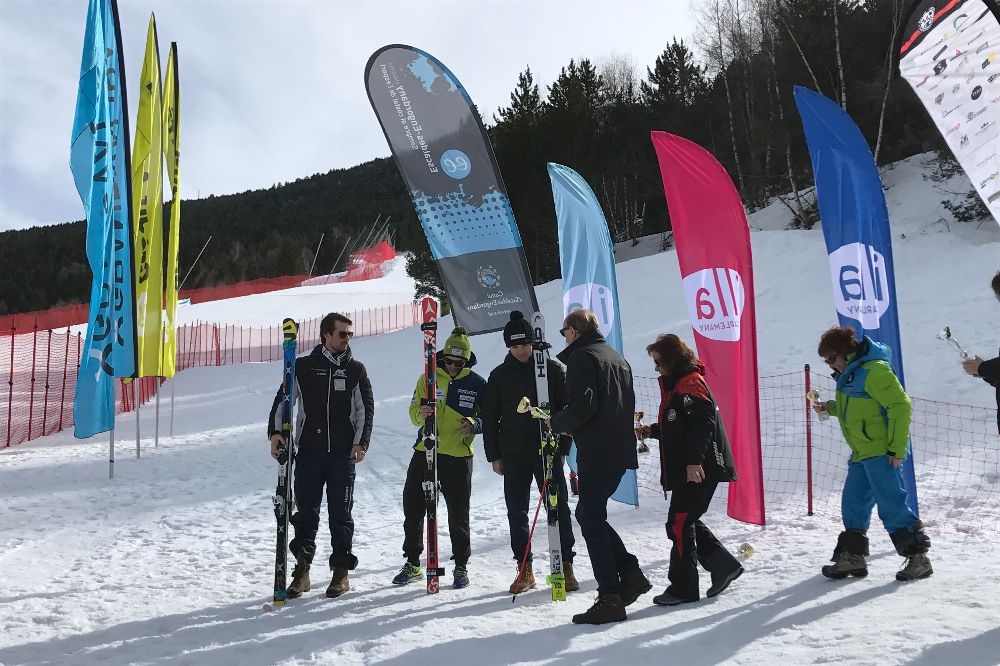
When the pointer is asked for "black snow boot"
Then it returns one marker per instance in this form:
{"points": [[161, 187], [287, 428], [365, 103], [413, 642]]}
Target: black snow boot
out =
{"points": [[634, 585], [607, 608], [849, 556], [724, 569], [913, 545]]}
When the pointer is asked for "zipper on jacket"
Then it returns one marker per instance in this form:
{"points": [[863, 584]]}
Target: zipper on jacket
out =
{"points": [[329, 396]]}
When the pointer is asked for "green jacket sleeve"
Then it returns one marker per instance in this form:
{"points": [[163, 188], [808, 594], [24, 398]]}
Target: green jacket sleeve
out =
{"points": [[883, 386], [418, 395]]}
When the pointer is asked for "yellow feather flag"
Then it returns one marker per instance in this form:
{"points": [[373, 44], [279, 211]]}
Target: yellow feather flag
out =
{"points": [[147, 210], [171, 148]]}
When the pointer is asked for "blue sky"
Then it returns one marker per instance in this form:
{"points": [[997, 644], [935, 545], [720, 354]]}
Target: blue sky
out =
{"points": [[270, 95]]}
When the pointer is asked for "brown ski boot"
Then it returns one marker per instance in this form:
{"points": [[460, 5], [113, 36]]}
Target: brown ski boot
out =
{"points": [[572, 585], [525, 580], [300, 581], [339, 583]]}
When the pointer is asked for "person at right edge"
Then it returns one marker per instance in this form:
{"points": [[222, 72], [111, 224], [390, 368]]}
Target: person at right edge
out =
{"points": [[600, 415], [695, 457], [874, 413], [989, 370]]}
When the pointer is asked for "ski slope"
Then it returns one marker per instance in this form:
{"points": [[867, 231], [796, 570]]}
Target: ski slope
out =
{"points": [[172, 561]]}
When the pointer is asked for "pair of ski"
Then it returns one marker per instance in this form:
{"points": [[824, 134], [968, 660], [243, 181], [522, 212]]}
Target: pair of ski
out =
{"points": [[286, 457], [549, 444], [549, 451]]}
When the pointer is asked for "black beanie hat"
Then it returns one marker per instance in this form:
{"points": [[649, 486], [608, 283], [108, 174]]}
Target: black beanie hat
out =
{"points": [[518, 330]]}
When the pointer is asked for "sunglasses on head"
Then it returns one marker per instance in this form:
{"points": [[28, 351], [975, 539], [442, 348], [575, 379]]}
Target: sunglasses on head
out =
{"points": [[454, 362]]}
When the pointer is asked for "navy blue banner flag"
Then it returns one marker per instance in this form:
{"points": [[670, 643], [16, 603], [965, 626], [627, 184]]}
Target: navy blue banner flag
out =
{"points": [[447, 162], [99, 161], [856, 229], [587, 258]]}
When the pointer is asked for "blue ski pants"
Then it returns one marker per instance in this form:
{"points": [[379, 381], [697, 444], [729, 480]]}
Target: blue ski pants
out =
{"points": [[875, 482]]}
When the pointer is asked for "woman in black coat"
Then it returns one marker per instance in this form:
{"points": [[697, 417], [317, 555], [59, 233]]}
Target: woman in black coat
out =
{"points": [[694, 459]]}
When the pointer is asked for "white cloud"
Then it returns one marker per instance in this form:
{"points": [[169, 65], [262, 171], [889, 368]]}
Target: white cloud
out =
{"points": [[272, 92]]}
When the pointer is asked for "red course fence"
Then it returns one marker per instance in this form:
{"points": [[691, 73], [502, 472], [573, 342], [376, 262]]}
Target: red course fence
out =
{"points": [[38, 369]]}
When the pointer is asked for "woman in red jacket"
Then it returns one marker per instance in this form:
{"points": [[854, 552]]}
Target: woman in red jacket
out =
{"points": [[694, 459]]}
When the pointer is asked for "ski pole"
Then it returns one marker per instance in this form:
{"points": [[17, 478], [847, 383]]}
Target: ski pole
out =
{"points": [[531, 533]]}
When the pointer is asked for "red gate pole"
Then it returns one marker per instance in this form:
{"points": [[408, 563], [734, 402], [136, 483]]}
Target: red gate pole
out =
{"points": [[809, 450], [45, 400], [10, 386], [31, 395], [62, 394], [218, 353]]}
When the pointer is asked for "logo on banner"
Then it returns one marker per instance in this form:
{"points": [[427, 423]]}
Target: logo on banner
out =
{"points": [[488, 277], [860, 283], [715, 298], [594, 297], [455, 163]]}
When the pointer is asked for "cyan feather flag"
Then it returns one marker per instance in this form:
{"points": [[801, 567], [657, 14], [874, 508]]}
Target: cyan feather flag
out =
{"points": [[99, 161], [588, 272]]}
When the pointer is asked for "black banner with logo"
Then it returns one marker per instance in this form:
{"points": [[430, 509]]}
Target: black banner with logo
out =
{"points": [[447, 162]]}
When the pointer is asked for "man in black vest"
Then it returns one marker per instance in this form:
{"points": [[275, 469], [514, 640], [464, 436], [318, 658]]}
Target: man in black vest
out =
{"points": [[334, 425]]}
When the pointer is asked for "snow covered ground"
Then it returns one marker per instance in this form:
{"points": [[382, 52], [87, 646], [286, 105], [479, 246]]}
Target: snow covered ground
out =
{"points": [[171, 561]]}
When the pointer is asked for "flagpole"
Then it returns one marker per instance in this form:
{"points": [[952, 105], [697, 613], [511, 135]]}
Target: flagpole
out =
{"points": [[135, 396], [173, 381], [156, 428]]}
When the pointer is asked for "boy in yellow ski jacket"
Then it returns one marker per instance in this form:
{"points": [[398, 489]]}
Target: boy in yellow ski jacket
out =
{"points": [[457, 415]]}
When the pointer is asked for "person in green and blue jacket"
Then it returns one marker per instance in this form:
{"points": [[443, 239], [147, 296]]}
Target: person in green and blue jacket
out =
{"points": [[874, 414], [459, 391]]}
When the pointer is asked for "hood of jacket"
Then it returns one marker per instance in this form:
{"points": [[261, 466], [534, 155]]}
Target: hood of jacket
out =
{"points": [[869, 350]]}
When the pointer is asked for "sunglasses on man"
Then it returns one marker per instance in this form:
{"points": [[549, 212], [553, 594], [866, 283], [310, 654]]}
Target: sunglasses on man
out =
{"points": [[453, 362], [345, 335]]}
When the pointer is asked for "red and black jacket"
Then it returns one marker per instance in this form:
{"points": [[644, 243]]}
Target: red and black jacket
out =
{"points": [[690, 430]]}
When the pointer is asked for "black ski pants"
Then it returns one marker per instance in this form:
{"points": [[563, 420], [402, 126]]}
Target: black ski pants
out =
{"points": [[455, 478], [692, 542], [518, 472], [313, 470], [608, 556]]}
